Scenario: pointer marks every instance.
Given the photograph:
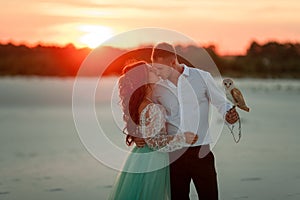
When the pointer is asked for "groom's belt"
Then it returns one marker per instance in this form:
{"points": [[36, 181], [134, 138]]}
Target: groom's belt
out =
{"points": [[194, 149], [198, 151]]}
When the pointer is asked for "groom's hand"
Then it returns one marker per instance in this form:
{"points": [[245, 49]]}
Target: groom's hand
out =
{"points": [[190, 138], [139, 142], [232, 116]]}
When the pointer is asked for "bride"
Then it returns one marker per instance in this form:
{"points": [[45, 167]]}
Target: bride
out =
{"points": [[145, 174]]}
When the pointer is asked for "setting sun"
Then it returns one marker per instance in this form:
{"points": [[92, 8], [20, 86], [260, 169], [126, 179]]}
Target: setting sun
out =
{"points": [[94, 35]]}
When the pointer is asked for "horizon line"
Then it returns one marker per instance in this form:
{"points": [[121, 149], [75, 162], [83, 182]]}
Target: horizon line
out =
{"points": [[81, 47]]}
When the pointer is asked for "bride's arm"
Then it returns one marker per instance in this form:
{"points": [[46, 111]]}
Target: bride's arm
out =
{"points": [[152, 127]]}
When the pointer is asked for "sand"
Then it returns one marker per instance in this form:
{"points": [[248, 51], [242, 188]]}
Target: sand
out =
{"points": [[42, 157]]}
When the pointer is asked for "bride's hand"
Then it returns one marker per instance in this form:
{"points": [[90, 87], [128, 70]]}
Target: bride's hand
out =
{"points": [[190, 137], [139, 142]]}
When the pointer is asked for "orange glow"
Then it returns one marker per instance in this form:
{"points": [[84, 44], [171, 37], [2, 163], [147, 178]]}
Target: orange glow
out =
{"points": [[230, 25], [95, 35]]}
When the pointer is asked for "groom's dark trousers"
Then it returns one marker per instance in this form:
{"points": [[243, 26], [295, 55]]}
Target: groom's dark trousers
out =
{"points": [[186, 165]]}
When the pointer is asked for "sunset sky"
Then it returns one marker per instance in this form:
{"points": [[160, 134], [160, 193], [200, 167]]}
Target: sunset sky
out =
{"points": [[230, 24]]}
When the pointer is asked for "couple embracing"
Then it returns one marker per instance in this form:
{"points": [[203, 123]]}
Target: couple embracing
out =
{"points": [[166, 113]]}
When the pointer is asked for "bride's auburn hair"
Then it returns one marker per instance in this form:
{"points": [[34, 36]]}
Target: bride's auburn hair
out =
{"points": [[133, 85]]}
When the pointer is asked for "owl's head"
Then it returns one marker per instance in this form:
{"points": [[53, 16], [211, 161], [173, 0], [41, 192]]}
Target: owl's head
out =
{"points": [[228, 83]]}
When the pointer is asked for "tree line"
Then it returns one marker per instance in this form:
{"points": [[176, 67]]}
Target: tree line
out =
{"points": [[268, 60]]}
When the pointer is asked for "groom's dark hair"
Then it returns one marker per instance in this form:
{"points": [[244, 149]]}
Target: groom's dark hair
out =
{"points": [[163, 50]]}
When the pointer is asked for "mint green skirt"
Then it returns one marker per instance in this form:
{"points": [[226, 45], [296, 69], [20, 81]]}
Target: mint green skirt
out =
{"points": [[145, 176]]}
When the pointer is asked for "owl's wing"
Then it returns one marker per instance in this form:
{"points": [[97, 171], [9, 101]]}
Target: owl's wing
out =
{"points": [[237, 96]]}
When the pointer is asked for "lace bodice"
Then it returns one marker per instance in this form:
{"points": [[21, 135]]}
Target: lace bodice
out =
{"points": [[153, 129]]}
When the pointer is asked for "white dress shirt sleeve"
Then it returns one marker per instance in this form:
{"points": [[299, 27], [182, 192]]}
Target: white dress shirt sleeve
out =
{"points": [[216, 95]]}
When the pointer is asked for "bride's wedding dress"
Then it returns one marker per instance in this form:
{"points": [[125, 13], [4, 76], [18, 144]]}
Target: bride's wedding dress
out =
{"points": [[145, 174]]}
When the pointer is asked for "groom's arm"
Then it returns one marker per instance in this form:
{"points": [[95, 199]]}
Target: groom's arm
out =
{"points": [[218, 99]]}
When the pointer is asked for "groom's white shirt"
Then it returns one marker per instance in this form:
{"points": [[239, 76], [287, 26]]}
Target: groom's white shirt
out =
{"points": [[187, 104]]}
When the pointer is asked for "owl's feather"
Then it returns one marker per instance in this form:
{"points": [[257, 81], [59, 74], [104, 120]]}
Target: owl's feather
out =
{"points": [[234, 95], [239, 99]]}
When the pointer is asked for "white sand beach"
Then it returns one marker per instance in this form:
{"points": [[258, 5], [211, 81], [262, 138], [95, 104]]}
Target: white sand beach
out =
{"points": [[42, 157]]}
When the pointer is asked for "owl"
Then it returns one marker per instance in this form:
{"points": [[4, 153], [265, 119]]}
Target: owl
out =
{"points": [[234, 95]]}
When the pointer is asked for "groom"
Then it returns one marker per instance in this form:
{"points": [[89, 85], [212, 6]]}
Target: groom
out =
{"points": [[186, 94]]}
